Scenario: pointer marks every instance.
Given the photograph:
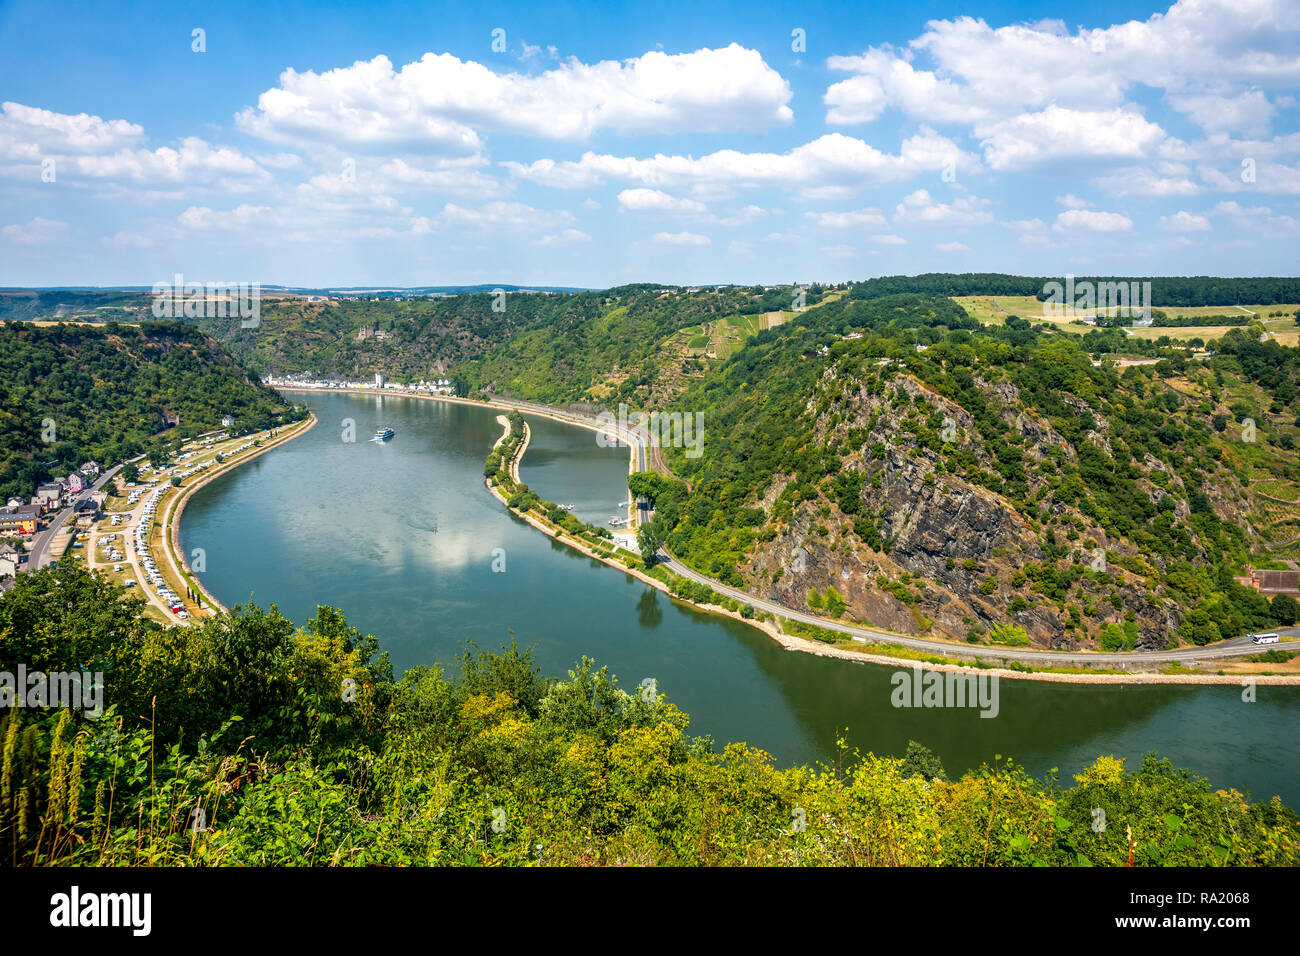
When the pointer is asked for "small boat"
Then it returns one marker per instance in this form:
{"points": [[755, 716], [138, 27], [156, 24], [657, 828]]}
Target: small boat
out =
{"points": [[384, 434]]}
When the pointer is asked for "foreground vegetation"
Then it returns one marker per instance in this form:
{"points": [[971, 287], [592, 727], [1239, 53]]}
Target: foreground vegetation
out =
{"points": [[248, 741]]}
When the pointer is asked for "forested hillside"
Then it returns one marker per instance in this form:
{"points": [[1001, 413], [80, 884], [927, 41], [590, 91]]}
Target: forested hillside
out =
{"points": [[590, 346], [229, 743], [893, 462], [74, 393]]}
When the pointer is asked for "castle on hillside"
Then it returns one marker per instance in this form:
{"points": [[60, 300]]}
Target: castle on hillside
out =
{"points": [[371, 332]]}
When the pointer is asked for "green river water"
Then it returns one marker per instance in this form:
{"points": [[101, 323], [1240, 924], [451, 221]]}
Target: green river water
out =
{"points": [[403, 536]]}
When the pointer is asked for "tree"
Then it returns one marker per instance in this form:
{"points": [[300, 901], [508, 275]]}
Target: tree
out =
{"points": [[920, 760], [1285, 609], [649, 541]]}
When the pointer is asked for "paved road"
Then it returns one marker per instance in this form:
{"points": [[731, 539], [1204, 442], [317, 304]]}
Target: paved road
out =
{"points": [[1235, 648], [40, 552], [1238, 647]]}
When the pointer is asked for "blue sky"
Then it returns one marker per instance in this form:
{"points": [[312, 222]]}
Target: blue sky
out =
{"points": [[592, 145]]}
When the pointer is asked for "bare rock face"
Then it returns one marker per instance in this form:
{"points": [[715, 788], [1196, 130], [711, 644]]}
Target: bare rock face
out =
{"points": [[955, 559]]}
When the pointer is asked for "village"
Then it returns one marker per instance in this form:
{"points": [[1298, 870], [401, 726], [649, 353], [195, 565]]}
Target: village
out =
{"points": [[122, 527]]}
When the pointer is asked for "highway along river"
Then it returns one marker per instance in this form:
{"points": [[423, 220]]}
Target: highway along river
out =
{"points": [[403, 535]]}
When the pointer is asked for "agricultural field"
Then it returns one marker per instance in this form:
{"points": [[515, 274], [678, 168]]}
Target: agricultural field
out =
{"points": [[1278, 320], [995, 309]]}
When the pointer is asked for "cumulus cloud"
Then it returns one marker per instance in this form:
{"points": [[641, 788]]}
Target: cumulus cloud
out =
{"points": [[1145, 181], [656, 200], [1089, 220], [462, 174], [952, 247], [833, 162], [1184, 222], [501, 214], [1056, 133], [440, 102], [1196, 50], [35, 232], [566, 238], [108, 151], [848, 220], [29, 134], [196, 162], [1248, 112], [201, 218], [1227, 68], [921, 207], [680, 239]]}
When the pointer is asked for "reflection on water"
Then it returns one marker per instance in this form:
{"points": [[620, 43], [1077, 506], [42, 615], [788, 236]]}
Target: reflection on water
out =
{"points": [[402, 535]]}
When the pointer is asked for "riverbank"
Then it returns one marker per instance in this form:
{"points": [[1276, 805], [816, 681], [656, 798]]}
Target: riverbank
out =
{"points": [[771, 628], [170, 520], [793, 642]]}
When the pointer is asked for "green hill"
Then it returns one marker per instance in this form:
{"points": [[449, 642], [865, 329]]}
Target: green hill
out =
{"points": [[73, 393], [898, 463]]}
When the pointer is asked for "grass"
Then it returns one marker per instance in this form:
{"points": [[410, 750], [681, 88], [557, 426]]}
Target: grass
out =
{"points": [[995, 309]]}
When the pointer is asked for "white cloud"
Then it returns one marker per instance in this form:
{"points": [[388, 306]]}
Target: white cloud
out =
{"points": [[503, 214], [280, 160], [35, 232], [1032, 232], [964, 210], [745, 215], [195, 163], [30, 134], [833, 162], [1143, 181], [1033, 139], [1199, 51], [656, 200], [885, 80], [1267, 178], [1071, 201], [1236, 210], [1184, 222], [1247, 112], [1092, 221], [848, 220], [444, 175], [887, 240], [680, 239], [565, 238], [440, 101], [109, 151], [952, 247], [201, 218]]}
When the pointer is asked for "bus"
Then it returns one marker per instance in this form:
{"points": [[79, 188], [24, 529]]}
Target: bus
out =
{"points": [[1270, 638]]}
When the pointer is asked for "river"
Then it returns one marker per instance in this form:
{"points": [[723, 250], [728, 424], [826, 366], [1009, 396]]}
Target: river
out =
{"points": [[403, 537]]}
